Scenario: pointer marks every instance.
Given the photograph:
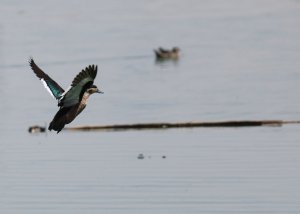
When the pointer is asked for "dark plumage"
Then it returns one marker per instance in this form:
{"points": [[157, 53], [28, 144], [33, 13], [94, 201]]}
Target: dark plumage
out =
{"points": [[73, 101]]}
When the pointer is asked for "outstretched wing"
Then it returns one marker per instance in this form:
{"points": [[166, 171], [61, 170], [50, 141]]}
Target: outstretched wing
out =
{"points": [[81, 82], [54, 89]]}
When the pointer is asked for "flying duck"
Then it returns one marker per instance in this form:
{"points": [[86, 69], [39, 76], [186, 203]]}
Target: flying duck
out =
{"points": [[72, 101], [162, 53]]}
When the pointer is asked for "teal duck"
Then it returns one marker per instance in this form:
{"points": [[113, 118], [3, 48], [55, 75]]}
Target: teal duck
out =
{"points": [[162, 53], [72, 101]]}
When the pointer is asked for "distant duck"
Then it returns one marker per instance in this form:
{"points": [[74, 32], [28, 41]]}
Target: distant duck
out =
{"points": [[36, 129], [71, 101], [162, 53]]}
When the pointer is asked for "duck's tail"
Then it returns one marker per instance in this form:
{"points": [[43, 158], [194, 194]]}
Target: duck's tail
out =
{"points": [[61, 118], [157, 53]]}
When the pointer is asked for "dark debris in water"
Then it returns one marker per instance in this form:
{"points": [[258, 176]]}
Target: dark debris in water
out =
{"points": [[141, 156]]}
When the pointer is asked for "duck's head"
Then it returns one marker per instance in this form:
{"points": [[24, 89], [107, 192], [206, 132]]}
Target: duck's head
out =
{"points": [[175, 49], [93, 89]]}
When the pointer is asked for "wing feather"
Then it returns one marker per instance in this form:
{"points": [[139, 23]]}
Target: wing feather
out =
{"points": [[82, 81], [54, 89]]}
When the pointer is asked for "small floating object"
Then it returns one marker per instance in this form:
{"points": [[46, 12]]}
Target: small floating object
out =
{"points": [[162, 53], [164, 156], [141, 156], [36, 129]]}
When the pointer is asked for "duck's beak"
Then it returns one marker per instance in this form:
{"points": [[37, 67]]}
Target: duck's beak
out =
{"points": [[100, 92]]}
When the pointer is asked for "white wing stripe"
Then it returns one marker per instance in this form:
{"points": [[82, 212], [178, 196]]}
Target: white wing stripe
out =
{"points": [[46, 86]]}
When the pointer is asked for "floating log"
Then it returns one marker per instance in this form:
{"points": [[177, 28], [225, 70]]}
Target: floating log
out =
{"points": [[142, 126]]}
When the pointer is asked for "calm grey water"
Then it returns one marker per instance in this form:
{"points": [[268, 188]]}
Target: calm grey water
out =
{"points": [[240, 60]]}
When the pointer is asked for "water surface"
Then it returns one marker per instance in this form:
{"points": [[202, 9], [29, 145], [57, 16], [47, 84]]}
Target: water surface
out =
{"points": [[240, 60]]}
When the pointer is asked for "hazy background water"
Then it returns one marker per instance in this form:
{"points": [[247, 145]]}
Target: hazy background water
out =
{"points": [[240, 60]]}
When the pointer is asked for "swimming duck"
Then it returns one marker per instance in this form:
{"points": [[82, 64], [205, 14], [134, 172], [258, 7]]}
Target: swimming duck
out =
{"points": [[72, 101], [162, 53], [36, 129]]}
